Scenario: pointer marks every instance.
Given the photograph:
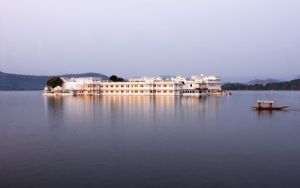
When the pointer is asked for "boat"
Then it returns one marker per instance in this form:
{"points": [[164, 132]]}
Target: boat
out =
{"points": [[268, 105]]}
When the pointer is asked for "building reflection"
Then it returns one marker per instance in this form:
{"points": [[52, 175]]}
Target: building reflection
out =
{"points": [[54, 110], [130, 110]]}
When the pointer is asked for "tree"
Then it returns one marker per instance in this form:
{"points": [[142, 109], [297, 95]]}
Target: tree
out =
{"points": [[115, 78], [54, 82], [120, 80]]}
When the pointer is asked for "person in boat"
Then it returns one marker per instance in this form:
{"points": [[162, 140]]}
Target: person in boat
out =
{"points": [[259, 104], [271, 105]]}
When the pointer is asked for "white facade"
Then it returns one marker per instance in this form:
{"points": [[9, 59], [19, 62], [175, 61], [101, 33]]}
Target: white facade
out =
{"points": [[212, 83], [151, 86], [78, 83]]}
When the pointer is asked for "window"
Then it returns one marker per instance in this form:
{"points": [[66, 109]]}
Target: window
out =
{"points": [[191, 85], [141, 85], [171, 85], [165, 85], [122, 86]]}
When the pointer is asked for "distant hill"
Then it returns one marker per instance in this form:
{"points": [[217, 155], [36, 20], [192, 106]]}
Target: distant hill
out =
{"points": [[167, 76], [262, 82], [287, 85], [91, 74], [9, 82]]}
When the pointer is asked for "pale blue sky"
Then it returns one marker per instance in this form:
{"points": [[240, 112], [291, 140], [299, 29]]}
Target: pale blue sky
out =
{"points": [[233, 38]]}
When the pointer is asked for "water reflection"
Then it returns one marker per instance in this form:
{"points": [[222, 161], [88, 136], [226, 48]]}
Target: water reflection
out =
{"points": [[145, 110], [263, 114], [270, 114], [54, 110], [129, 110]]}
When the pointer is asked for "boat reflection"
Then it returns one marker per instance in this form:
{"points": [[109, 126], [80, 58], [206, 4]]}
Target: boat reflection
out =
{"points": [[263, 114]]}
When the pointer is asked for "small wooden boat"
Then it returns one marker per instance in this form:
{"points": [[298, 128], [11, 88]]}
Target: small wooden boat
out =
{"points": [[268, 105]]}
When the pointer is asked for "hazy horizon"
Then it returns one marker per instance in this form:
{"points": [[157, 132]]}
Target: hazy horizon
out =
{"points": [[238, 40]]}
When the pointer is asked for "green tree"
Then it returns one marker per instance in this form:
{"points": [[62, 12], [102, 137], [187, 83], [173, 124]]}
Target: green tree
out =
{"points": [[54, 82], [120, 80], [115, 78]]}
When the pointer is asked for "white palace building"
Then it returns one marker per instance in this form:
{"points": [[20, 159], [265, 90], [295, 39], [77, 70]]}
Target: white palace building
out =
{"points": [[148, 86]]}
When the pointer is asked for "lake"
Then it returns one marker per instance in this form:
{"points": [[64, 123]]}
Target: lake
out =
{"points": [[136, 142]]}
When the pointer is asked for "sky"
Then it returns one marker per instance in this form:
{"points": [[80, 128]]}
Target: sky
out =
{"points": [[237, 39]]}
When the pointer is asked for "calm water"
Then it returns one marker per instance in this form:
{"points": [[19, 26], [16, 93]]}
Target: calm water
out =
{"points": [[148, 142]]}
